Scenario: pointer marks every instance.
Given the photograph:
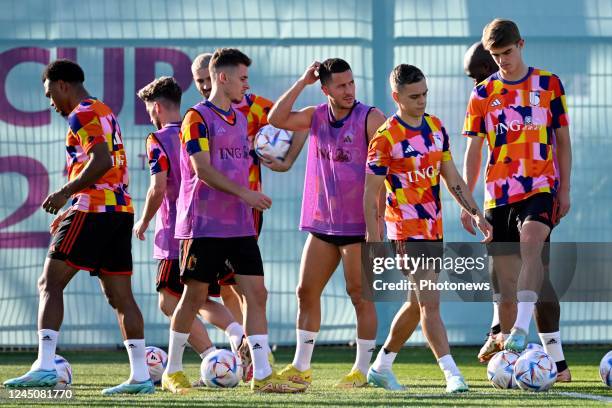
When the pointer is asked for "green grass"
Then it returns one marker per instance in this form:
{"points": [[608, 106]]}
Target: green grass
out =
{"points": [[415, 367]]}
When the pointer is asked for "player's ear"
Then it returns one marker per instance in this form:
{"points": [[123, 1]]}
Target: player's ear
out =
{"points": [[395, 96], [325, 90], [521, 43]]}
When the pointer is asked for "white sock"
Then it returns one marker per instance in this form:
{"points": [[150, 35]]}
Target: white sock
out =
{"points": [[448, 366], [552, 345], [384, 360], [365, 349], [526, 304], [495, 320], [207, 352], [47, 343], [258, 344], [235, 333], [139, 371], [176, 347], [304, 348]]}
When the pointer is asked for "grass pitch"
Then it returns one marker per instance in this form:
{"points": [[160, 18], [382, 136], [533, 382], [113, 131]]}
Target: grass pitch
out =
{"points": [[415, 367]]}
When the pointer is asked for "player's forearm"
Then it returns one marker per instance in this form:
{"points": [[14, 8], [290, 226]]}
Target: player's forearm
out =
{"points": [[564, 159], [93, 171], [155, 197], [218, 181], [371, 212], [459, 189], [471, 165], [281, 110], [297, 143]]}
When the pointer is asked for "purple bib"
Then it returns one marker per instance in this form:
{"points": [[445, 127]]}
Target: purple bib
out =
{"points": [[332, 202], [165, 245], [203, 211]]}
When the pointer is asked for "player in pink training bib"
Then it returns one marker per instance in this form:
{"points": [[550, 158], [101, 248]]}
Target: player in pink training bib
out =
{"points": [[332, 207]]}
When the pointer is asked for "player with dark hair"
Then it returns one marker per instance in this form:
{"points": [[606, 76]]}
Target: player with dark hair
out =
{"points": [[94, 234], [410, 155], [332, 208]]}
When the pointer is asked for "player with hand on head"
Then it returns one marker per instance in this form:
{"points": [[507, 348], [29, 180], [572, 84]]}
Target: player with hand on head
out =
{"points": [[409, 156], [332, 207]]}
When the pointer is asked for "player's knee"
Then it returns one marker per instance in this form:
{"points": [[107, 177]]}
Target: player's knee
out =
{"points": [[429, 309], [46, 286], [259, 296], [305, 293], [355, 294], [166, 307]]}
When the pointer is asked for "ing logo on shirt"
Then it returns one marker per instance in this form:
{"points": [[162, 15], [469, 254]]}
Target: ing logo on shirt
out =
{"points": [[339, 155]]}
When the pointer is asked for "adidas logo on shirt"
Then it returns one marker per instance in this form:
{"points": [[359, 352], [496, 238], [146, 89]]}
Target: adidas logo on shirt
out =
{"points": [[495, 103], [408, 149]]}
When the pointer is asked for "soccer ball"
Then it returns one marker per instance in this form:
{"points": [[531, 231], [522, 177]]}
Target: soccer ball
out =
{"points": [[156, 361], [535, 371], [605, 369], [64, 371], [272, 141], [221, 369], [533, 347], [500, 370]]}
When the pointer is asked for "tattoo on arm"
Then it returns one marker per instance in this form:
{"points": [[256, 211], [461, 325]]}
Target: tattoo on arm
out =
{"points": [[462, 200]]}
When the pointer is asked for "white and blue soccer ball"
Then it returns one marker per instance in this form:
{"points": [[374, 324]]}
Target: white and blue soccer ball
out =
{"points": [[605, 369], [500, 370], [221, 369], [157, 359], [533, 347], [535, 371], [64, 371], [272, 141]]}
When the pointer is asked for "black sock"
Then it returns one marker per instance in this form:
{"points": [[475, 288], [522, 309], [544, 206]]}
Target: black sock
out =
{"points": [[561, 365], [496, 329]]}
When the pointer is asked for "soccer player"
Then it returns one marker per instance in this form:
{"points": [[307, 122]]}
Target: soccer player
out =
{"points": [[94, 234], [479, 65], [332, 207], [409, 155], [214, 220], [519, 110], [162, 99]]}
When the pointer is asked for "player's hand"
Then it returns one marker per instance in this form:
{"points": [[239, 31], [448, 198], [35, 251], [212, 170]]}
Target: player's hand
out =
{"points": [[57, 221], [54, 202], [274, 164], [140, 228], [563, 198], [257, 200], [468, 222], [485, 227], [311, 75]]}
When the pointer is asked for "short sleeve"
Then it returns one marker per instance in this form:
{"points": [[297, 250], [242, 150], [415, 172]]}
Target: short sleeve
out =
{"points": [[194, 133], [158, 160], [474, 123], [379, 154], [558, 103], [87, 129], [446, 153]]}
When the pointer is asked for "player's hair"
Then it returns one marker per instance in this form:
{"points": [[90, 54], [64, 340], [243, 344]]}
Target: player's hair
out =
{"points": [[164, 88], [500, 33], [228, 57], [201, 61], [404, 74], [64, 70], [332, 66]]}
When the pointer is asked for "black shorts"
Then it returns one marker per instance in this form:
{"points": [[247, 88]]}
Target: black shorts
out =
{"points": [[100, 243], [339, 240], [204, 259], [225, 278], [169, 277], [508, 219]]}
